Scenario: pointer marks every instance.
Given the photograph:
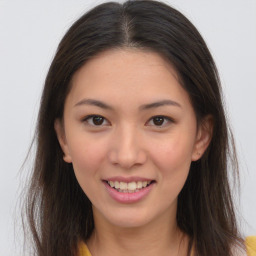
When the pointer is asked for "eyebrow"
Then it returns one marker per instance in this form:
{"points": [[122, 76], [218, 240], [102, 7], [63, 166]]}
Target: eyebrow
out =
{"points": [[93, 102], [103, 105], [160, 104]]}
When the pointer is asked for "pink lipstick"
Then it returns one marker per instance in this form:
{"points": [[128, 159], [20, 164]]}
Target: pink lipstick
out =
{"points": [[128, 190]]}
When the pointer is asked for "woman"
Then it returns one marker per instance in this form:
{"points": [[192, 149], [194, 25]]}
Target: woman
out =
{"points": [[132, 141]]}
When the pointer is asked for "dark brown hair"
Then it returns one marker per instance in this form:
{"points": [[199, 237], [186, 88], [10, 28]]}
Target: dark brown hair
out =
{"points": [[58, 211]]}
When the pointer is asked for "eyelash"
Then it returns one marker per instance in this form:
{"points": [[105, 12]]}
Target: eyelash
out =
{"points": [[103, 119]]}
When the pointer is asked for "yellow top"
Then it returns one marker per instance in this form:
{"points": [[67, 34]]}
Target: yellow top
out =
{"points": [[250, 242], [84, 251]]}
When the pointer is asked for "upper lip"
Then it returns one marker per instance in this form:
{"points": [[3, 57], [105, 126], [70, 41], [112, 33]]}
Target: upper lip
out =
{"points": [[127, 179]]}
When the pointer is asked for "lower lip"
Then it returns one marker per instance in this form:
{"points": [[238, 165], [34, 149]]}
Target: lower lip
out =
{"points": [[128, 197]]}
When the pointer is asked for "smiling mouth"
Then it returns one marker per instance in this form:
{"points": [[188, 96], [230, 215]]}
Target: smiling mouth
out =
{"points": [[129, 187]]}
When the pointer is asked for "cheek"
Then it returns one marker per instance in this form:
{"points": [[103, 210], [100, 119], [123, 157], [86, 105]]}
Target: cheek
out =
{"points": [[87, 155], [175, 150], [173, 161], [173, 155]]}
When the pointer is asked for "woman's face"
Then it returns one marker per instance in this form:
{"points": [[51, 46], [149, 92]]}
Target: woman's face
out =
{"points": [[131, 133]]}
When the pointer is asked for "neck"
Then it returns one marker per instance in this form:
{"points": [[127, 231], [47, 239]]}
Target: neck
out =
{"points": [[156, 238]]}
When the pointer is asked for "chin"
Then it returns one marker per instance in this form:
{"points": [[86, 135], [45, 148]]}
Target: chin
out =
{"points": [[132, 218], [129, 222]]}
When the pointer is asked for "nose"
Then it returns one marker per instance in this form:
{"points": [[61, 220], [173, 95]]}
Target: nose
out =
{"points": [[126, 148]]}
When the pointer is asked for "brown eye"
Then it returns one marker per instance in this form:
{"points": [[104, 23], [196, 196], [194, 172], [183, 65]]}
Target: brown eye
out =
{"points": [[159, 120], [96, 120]]}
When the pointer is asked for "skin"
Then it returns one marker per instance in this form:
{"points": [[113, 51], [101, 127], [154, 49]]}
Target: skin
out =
{"points": [[129, 143]]}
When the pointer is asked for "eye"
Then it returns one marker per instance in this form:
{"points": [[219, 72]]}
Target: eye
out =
{"points": [[96, 120], [159, 121]]}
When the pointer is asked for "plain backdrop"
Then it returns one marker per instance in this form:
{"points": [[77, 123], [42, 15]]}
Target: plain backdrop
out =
{"points": [[29, 34]]}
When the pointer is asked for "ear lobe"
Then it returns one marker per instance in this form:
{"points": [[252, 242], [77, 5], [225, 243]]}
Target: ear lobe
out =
{"points": [[204, 136], [58, 126]]}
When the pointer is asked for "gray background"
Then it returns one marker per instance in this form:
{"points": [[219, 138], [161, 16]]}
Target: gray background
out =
{"points": [[29, 34]]}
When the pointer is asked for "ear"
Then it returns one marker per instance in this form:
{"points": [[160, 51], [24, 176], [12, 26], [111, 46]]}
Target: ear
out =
{"points": [[59, 129], [203, 138]]}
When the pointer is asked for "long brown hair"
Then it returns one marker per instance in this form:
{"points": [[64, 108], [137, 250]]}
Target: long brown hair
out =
{"points": [[58, 212]]}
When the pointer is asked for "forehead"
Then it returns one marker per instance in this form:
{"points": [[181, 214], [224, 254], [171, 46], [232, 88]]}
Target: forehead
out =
{"points": [[126, 74], [134, 62]]}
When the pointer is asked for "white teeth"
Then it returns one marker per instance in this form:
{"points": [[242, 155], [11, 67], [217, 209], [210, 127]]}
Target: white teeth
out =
{"points": [[117, 184], [144, 184], [139, 184], [129, 187], [123, 186]]}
